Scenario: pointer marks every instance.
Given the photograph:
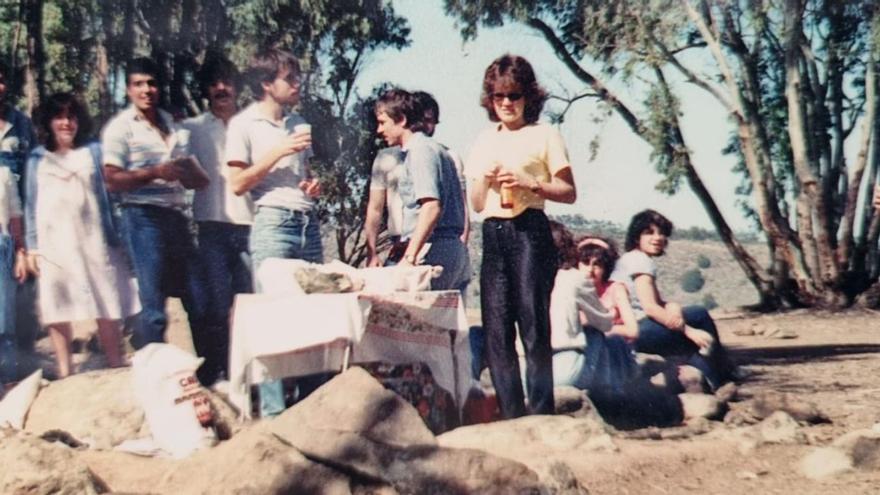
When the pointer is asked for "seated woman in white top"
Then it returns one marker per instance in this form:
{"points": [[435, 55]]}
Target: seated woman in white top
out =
{"points": [[590, 354]]}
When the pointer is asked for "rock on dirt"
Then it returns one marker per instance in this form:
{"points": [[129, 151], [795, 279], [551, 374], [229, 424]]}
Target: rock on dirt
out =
{"points": [[34, 466]]}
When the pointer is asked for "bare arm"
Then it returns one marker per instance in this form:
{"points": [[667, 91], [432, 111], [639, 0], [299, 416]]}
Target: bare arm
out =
{"points": [[429, 214], [630, 327], [560, 189], [244, 177], [654, 306], [375, 207], [16, 230], [118, 179]]}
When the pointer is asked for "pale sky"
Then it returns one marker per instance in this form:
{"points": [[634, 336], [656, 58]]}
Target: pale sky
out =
{"points": [[620, 181]]}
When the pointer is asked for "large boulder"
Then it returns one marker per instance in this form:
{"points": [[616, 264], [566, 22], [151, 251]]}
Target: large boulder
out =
{"points": [[98, 408], [32, 465], [353, 424], [255, 461]]}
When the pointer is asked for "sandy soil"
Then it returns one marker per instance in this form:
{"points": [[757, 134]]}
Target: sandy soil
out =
{"points": [[831, 359]]}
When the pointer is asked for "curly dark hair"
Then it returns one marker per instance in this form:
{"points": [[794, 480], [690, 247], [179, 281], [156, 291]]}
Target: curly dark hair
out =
{"points": [[606, 257], [641, 222], [59, 104], [217, 67], [513, 70], [566, 250]]}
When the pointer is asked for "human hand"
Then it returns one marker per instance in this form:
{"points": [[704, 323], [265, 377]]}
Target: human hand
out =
{"points": [[294, 143], [512, 180], [373, 261], [675, 318], [702, 338], [491, 175], [171, 170], [19, 269], [625, 332], [31, 263], [311, 187]]}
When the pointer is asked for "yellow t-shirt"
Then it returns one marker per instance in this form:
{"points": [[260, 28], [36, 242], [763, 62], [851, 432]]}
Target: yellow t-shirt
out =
{"points": [[535, 150]]}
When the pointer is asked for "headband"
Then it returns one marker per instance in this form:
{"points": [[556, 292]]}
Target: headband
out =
{"points": [[593, 241]]}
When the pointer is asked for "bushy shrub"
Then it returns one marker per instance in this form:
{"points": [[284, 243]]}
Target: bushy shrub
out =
{"points": [[703, 261], [692, 281], [709, 301]]}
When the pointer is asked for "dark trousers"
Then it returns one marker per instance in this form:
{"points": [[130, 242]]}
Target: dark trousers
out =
{"points": [[226, 268], [654, 338], [516, 278], [163, 254]]}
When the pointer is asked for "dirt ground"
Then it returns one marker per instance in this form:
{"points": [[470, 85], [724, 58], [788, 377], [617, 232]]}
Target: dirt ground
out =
{"points": [[831, 359]]}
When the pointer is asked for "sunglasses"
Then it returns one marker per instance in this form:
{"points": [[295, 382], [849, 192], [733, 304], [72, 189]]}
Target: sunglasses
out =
{"points": [[499, 97]]}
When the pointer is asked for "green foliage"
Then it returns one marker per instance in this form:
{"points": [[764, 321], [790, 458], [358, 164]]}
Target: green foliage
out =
{"points": [[703, 261], [709, 302], [692, 281]]}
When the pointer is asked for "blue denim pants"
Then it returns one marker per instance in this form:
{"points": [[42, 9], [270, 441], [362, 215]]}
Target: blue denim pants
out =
{"points": [[226, 271], [654, 338], [8, 341], [163, 255], [288, 234], [516, 279]]}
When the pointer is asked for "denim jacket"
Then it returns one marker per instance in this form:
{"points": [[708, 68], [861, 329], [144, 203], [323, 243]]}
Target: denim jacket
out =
{"points": [[108, 222], [16, 141]]}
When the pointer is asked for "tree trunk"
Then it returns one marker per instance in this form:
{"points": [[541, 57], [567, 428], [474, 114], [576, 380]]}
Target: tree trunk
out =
{"points": [[34, 73]]}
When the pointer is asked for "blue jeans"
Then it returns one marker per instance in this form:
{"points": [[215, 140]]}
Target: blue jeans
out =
{"points": [[8, 341], [163, 255], [516, 279], [654, 338], [288, 234], [452, 255], [226, 271]]}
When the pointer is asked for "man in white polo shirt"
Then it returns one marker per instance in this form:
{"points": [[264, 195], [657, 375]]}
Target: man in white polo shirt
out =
{"points": [[267, 150], [145, 158], [223, 218]]}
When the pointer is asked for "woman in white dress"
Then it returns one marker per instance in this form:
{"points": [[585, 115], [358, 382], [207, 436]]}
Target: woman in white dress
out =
{"points": [[72, 245]]}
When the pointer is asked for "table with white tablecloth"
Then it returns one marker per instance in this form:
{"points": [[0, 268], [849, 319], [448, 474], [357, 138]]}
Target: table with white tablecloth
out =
{"points": [[280, 335]]}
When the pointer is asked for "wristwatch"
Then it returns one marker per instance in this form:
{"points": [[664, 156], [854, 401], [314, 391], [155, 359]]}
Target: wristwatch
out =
{"points": [[410, 258]]}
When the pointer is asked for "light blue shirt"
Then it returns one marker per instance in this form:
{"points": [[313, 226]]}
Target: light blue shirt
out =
{"points": [[429, 172]]}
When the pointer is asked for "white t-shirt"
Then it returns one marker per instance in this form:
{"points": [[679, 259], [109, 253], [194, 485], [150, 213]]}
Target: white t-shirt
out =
{"points": [[572, 293], [251, 136], [630, 265], [216, 202], [387, 169]]}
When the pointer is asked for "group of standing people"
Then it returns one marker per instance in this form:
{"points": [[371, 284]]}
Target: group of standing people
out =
{"points": [[107, 230]]}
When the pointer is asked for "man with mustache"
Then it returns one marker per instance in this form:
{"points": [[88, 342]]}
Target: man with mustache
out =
{"points": [[223, 218]]}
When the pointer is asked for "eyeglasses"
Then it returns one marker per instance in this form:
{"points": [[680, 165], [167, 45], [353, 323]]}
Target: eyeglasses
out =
{"points": [[499, 97]]}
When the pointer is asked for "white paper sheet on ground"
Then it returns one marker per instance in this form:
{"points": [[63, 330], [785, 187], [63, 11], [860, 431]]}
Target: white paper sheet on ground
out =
{"points": [[17, 402]]}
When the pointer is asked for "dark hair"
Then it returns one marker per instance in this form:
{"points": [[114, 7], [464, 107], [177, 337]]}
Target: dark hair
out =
{"points": [[141, 65], [266, 65], [513, 70], [427, 103], [399, 104], [606, 257], [216, 67], [56, 105], [643, 221], [566, 251]]}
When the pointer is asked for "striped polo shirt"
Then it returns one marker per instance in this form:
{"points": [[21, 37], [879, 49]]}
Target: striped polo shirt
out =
{"points": [[130, 142]]}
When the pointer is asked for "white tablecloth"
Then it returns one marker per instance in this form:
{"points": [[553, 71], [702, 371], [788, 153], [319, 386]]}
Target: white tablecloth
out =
{"points": [[278, 335]]}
